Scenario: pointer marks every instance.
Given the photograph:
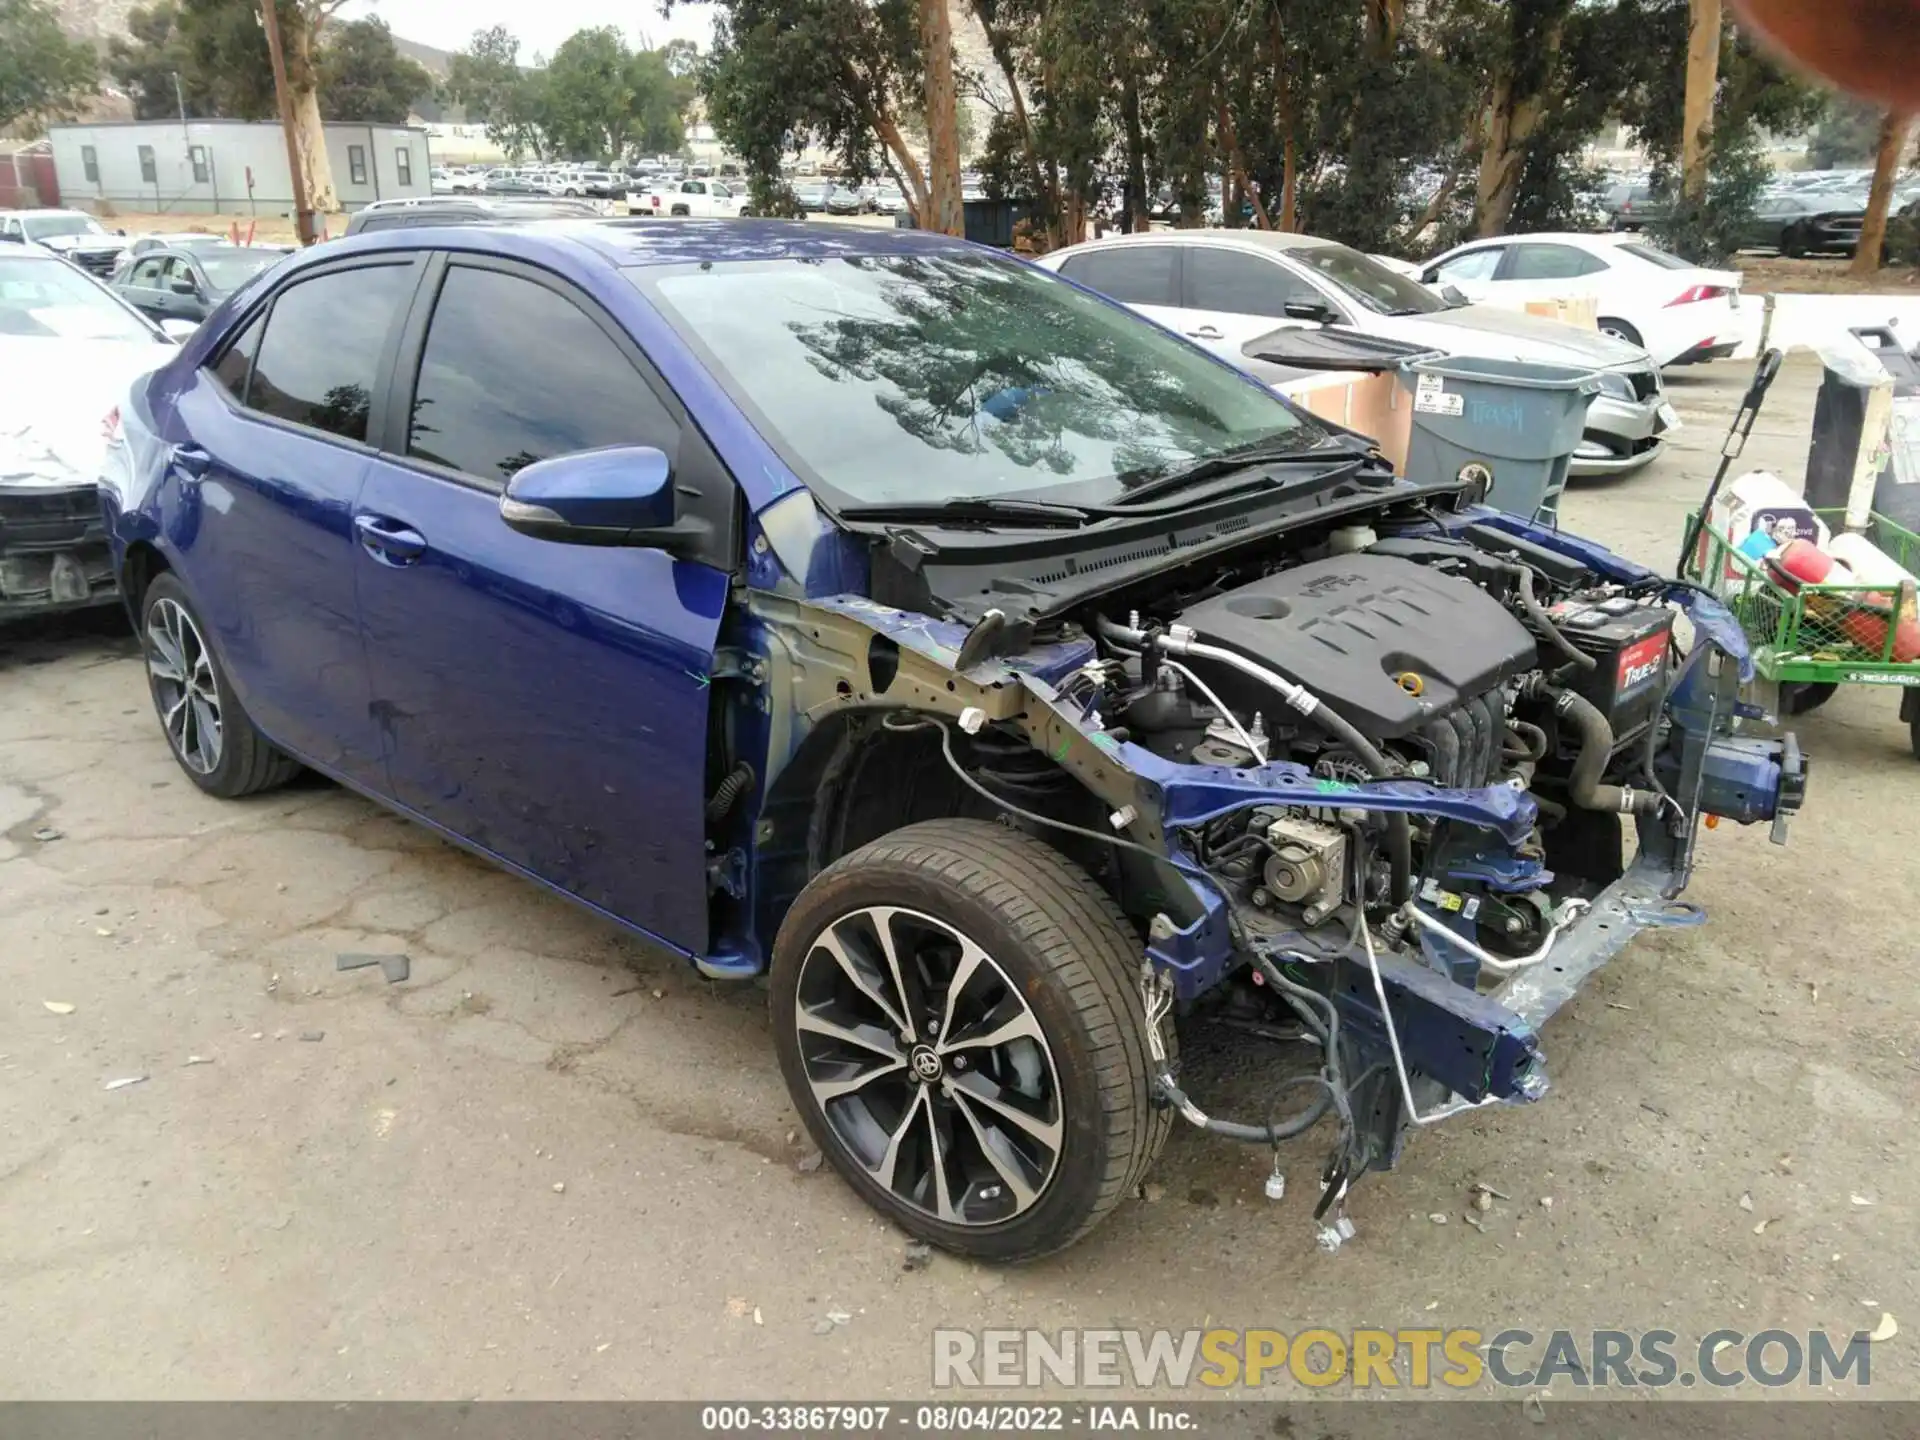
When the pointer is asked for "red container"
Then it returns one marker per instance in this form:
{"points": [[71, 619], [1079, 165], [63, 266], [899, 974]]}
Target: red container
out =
{"points": [[1868, 630], [1797, 563]]}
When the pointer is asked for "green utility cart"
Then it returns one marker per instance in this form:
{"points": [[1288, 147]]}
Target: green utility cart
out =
{"points": [[1812, 639]]}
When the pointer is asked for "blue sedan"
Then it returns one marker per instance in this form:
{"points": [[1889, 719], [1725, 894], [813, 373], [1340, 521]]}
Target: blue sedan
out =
{"points": [[986, 667]]}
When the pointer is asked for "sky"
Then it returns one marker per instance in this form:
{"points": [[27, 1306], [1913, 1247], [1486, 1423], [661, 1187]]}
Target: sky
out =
{"points": [[449, 24]]}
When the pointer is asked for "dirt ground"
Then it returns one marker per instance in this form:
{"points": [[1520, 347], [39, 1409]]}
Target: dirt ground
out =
{"points": [[552, 1163]]}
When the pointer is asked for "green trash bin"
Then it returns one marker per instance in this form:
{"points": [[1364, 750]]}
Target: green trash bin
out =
{"points": [[1510, 425]]}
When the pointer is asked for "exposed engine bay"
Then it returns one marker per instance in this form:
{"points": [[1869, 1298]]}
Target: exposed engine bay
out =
{"points": [[1363, 786], [1462, 718]]}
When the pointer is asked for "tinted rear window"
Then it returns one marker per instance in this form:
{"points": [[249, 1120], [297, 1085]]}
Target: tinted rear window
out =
{"points": [[1131, 274], [320, 358]]}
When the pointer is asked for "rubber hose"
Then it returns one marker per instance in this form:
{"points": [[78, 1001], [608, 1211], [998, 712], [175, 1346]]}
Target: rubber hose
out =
{"points": [[1596, 748], [739, 780], [1547, 628], [1270, 1134]]}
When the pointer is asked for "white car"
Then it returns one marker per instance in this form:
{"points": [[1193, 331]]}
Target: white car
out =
{"points": [[1225, 289], [73, 234], [69, 347], [710, 198], [1681, 313]]}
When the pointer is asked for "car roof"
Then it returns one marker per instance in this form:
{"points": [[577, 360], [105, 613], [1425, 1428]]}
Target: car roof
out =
{"points": [[1248, 239], [45, 211], [630, 243]]}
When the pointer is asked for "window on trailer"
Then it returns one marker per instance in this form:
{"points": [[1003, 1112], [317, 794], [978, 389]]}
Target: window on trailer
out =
{"points": [[147, 172], [357, 164], [202, 170], [403, 164], [90, 162]]}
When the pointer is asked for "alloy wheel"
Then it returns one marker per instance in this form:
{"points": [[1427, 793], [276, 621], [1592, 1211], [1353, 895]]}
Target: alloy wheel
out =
{"points": [[181, 668], [929, 1065]]}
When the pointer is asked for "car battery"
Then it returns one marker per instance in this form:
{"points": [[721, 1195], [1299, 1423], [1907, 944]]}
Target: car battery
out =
{"points": [[1628, 641]]}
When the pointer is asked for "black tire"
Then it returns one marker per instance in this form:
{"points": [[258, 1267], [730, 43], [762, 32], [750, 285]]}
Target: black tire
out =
{"points": [[1063, 943], [1611, 325], [1792, 244], [1806, 697], [1913, 735], [248, 762], [679, 210]]}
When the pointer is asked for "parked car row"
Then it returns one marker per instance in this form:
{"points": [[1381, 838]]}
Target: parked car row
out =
{"points": [[1226, 289]]}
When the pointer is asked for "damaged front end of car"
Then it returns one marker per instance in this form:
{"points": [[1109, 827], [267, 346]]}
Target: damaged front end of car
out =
{"points": [[1361, 780]]}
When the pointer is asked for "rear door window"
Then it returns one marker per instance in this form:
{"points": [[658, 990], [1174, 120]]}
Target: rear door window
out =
{"points": [[1233, 282], [515, 372], [1131, 274], [319, 361], [1550, 262]]}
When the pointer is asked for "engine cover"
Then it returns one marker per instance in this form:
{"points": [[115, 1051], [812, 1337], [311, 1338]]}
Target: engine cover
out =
{"points": [[1387, 643]]}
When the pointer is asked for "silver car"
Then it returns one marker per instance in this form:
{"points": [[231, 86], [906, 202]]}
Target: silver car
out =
{"points": [[1227, 288]]}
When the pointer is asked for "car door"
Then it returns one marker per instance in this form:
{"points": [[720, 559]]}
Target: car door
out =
{"points": [[1144, 277], [1470, 272], [271, 451], [693, 195], [1546, 270], [181, 296], [142, 287], [1238, 295], [545, 701]]}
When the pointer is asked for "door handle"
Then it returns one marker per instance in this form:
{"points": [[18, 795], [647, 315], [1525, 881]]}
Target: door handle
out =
{"points": [[1205, 332], [191, 460], [388, 540]]}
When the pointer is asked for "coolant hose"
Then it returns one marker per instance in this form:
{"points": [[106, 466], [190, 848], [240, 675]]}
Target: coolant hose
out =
{"points": [[1596, 748], [727, 794], [1539, 616]]}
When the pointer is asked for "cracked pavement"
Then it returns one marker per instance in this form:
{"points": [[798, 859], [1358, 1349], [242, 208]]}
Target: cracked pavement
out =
{"points": [[555, 1163]]}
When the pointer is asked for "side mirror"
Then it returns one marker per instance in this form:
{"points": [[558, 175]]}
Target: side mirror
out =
{"points": [[178, 331], [13, 237], [622, 495], [184, 287], [1313, 312], [1455, 296]]}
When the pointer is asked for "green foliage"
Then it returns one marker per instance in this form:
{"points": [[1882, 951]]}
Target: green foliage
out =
{"points": [[216, 48], [43, 74], [602, 101], [363, 76], [487, 80], [783, 72]]}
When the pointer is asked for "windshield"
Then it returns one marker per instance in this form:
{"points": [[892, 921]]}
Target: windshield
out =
{"points": [[49, 299], [891, 379], [230, 269], [44, 227], [1368, 281]]}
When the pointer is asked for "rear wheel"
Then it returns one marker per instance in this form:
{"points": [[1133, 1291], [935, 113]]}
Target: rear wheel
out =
{"points": [[679, 210], [958, 1015], [208, 731]]}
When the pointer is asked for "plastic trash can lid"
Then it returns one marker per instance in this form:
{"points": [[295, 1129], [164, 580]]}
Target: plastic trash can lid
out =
{"points": [[1524, 374]]}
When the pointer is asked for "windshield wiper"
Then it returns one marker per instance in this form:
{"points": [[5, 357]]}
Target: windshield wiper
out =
{"points": [[1051, 514], [1324, 456]]}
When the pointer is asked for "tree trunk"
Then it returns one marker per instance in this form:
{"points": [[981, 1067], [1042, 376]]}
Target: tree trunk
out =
{"points": [[311, 141], [1237, 170], [1136, 202], [1894, 130], [1510, 126], [890, 136], [1043, 192], [1289, 154], [943, 133], [1703, 78]]}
